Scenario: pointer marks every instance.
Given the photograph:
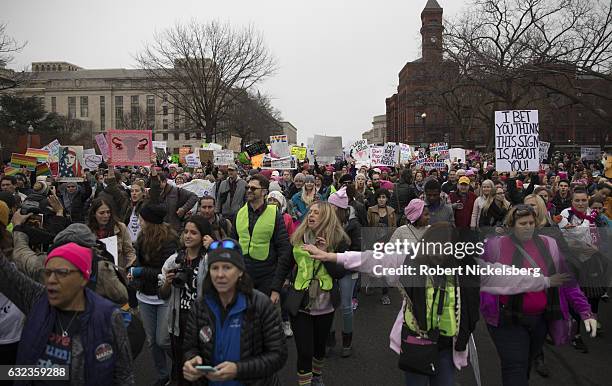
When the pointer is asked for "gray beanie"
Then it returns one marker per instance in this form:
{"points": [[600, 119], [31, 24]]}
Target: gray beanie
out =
{"points": [[76, 233]]}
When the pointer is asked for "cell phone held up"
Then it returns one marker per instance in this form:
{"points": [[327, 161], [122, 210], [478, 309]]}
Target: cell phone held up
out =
{"points": [[206, 369]]}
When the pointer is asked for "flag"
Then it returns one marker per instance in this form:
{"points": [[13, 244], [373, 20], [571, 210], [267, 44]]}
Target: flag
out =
{"points": [[39, 154], [22, 160], [43, 170]]}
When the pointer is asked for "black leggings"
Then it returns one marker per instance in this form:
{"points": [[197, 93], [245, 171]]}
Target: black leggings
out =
{"points": [[176, 345], [310, 333]]}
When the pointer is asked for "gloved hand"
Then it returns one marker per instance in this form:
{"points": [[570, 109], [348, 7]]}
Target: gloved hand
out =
{"points": [[591, 326]]}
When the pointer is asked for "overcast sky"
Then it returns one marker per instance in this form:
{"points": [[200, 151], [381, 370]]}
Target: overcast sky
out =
{"points": [[338, 59]]}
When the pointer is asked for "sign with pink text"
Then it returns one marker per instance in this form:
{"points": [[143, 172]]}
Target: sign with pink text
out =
{"points": [[130, 147]]}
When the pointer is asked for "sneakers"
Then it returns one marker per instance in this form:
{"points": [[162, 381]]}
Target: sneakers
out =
{"points": [[317, 380], [347, 345], [287, 329], [540, 367], [385, 300], [355, 304]]}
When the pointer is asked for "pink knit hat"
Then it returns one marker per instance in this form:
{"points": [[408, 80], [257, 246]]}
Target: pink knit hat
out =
{"points": [[79, 256], [339, 198], [414, 210]]}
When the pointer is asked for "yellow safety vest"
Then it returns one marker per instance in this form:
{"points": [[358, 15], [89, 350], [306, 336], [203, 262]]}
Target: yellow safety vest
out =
{"points": [[257, 245]]}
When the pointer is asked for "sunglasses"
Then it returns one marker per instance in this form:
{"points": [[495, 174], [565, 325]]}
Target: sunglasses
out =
{"points": [[225, 244], [523, 210], [253, 188], [60, 273]]}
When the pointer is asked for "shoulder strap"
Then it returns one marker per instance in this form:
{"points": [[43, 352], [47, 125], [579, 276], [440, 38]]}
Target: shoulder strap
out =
{"points": [[523, 252]]}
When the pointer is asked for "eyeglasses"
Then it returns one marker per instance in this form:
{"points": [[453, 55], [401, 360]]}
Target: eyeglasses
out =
{"points": [[523, 210], [253, 188], [60, 273], [226, 244]]}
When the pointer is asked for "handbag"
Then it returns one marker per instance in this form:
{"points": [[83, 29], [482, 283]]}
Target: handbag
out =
{"points": [[419, 349], [297, 299]]}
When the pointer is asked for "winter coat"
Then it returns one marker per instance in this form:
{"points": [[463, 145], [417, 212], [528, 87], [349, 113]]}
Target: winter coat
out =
{"points": [[263, 349], [78, 207], [403, 193], [172, 198], [227, 205], [463, 216]]}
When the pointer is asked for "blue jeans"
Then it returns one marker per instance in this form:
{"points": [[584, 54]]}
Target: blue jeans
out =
{"points": [[347, 284], [155, 321], [444, 377]]}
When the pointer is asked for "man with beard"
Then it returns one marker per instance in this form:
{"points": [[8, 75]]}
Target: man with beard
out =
{"points": [[261, 232]]}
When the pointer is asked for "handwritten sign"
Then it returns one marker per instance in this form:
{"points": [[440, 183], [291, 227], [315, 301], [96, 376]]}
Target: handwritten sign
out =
{"points": [[517, 146], [206, 155], [439, 150], [160, 145], [193, 160], [258, 147], [590, 153], [359, 151], [544, 146], [456, 154], [234, 144], [285, 163], [223, 157], [299, 152], [405, 153], [92, 161], [102, 145]]}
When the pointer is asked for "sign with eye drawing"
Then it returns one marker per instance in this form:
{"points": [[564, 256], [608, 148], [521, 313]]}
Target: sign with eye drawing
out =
{"points": [[130, 147]]}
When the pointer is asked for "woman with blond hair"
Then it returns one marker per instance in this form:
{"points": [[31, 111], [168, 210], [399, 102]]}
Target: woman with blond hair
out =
{"points": [[314, 294], [487, 194], [304, 198], [539, 206]]}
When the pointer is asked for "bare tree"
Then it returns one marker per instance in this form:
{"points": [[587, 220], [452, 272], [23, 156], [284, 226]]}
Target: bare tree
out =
{"points": [[136, 119], [8, 46], [201, 65]]}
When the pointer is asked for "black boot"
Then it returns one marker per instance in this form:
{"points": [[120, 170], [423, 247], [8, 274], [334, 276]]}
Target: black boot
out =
{"points": [[540, 366], [347, 345], [331, 339]]}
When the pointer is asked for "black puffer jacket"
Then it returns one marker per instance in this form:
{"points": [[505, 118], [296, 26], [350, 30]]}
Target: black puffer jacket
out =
{"points": [[263, 349]]}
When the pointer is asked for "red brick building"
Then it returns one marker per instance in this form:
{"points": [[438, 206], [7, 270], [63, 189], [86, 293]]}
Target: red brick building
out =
{"points": [[411, 120]]}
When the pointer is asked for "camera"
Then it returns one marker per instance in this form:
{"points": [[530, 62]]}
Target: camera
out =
{"points": [[184, 275]]}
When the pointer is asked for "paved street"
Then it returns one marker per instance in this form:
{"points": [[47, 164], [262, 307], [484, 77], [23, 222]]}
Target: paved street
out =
{"points": [[373, 363]]}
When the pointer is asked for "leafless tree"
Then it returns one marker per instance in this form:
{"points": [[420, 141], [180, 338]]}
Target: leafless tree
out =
{"points": [[136, 119], [202, 64], [8, 46]]}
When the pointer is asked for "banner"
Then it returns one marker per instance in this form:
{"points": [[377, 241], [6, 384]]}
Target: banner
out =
{"points": [[206, 155], [285, 163], [223, 157], [327, 148], [130, 147], [456, 154], [160, 144], [23, 161], [92, 161], [193, 160], [40, 154], [430, 165], [517, 146], [299, 152], [405, 153], [102, 145], [258, 147], [359, 151], [544, 146], [70, 167], [234, 144], [439, 149], [590, 153], [53, 149], [279, 146]]}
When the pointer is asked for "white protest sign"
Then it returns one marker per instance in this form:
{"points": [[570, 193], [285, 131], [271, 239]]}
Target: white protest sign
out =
{"points": [[360, 153], [517, 146], [285, 163], [590, 153], [89, 151], [211, 146], [92, 161], [390, 155], [193, 160], [160, 144], [102, 145], [456, 154], [279, 146], [112, 247], [405, 153], [200, 187], [440, 149], [223, 157], [376, 155], [327, 148], [544, 146]]}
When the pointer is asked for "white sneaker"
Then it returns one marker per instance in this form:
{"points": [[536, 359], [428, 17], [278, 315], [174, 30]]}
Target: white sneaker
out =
{"points": [[287, 329]]}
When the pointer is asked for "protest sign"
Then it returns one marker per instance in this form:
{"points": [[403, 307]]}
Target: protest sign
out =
{"points": [[193, 160], [40, 154], [299, 152], [211, 146], [130, 147], [430, 165], [285, 163], [43, 169], [160, 154], [439, 149], [70, 165], [327, 148], [257, 161], [102, 145], [376, 154], [258, 147], [23, 161], [456, 154], [92, 161], [206, 155], [183, 151], [223, 157], [517, 146], [359, 151], [160, 144], [405, 153], [234, 144], [419, 161], [53, 149], [200, 187], [244, 158], [386, 155], [590, 153], [89, 151], [279, 146], [544, 146], [112, 247]]}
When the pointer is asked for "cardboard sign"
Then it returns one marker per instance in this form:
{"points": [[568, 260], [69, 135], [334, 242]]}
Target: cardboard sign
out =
{"points": [[256, 148], [206, 155], [130, 147], [23, 161], [70, 165], [102, 145], [279, 146], [544, 146], [53, 149], [517, 145], [92, 161], [286, 163], [223, 157], [234, 144], [299, 152], [590, 153]]}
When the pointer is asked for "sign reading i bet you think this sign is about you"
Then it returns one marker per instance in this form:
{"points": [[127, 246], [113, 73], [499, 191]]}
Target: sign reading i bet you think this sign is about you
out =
{"points": [[517, 145]]}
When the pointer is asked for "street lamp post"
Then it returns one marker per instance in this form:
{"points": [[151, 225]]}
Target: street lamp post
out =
{"points": [[424, 118], [30, 131]]}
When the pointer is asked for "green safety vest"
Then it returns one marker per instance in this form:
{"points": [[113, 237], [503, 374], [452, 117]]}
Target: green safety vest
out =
{"points": [[448, 320], [306, 266], [257, 245]]}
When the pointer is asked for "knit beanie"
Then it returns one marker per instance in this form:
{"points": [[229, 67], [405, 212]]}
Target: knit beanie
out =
{"points": [[414, 210], [153, 213], [339, 198], [76, 233], [278, 196], [78, 256], [228, 255]]}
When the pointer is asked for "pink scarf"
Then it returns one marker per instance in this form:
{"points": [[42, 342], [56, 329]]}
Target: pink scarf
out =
{"points": [[592, 225]]}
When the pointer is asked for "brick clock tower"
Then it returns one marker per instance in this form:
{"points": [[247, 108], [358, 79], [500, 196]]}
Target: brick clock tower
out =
{"points": [[431, 31]]}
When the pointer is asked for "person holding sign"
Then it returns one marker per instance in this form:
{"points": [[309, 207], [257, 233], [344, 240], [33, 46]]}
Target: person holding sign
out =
{"points": [[103, 223]]}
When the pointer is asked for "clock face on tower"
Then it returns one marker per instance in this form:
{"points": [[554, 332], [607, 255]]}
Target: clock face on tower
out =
{"points": [[433, 39]]}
